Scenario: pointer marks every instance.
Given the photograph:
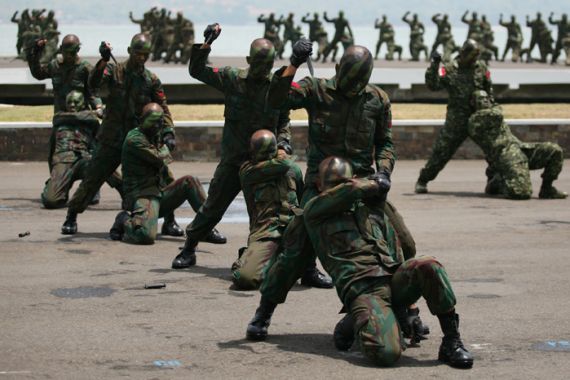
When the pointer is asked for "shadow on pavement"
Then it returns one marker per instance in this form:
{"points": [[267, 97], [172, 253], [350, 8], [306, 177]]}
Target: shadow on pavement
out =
{"points": [[459, 194]]}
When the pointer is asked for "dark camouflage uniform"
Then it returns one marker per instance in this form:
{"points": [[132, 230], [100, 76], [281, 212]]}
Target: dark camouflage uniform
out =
{"points": [[271, 190], [149, 188], [362, 254], [514, 39], [509, 158], [417, 45], [129, 92], [460, 82], [358, 131], [246, 111]]}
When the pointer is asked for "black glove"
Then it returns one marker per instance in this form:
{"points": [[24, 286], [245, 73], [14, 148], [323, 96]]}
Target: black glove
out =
{"points": [[435, 57], [105, 51], [302, 50], [284, 145], [169, 140], [212, 32], [411, 325], [37, 47], [383, 181]]}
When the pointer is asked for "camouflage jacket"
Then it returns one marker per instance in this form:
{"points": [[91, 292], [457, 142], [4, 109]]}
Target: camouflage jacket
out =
{"points": [[271, 190], [65, 78], [246, 107], [144, 166], [489, 131], [129, 92], [74, 135], [459, 82], [358, 129], [349, 241]]}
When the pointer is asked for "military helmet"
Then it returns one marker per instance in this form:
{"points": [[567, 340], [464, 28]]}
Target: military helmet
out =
{"points": [[334, 171], [70, 44], [140, 43], [354, 70], [261, 58], [74, 101], [469, 52], [263, 145], [152, 118]]}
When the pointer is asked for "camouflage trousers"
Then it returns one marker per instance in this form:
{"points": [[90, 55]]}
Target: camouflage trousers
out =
{"points": [[142, 225], [449, 139], [248, 269], [416, 47], [511, 168], [224, 187], [62, 176], [298, 252], [102, 165], [376, 329]]}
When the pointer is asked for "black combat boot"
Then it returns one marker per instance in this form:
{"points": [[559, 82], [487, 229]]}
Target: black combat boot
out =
{"points": [[257, 327], [343, 335], [452, 350], [187, 256], [421, 328], [547, 191], [96, 199], [69, 227], [315, 279], [214, 237], [170, 227], [118, 229]]}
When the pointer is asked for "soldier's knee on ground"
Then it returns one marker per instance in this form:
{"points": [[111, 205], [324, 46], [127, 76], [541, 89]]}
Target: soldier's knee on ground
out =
{"points": [[53, 203], [244, 280], [140, 236]]}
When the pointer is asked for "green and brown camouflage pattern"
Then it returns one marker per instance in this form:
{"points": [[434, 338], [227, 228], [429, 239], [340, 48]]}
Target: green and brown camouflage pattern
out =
{"points": [[417, 30]]}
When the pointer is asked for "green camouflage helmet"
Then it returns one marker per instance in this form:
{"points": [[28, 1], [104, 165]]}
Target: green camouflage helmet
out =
{"points": [[354, 70], [74, 101], [480, 100], [469, 53], [333, 171], [263, 145], [152, 119], [70, 44], [140, 43], [261, 58]]}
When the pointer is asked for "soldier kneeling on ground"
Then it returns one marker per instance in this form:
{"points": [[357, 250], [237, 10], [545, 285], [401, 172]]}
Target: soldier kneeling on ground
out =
{"points": [[272, 185], [510, 160], [150, 190]]}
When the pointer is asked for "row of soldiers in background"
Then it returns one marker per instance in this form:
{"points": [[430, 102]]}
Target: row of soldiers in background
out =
{"points": [[480, 30], [33, 25], [172, 38], [343, 33]]}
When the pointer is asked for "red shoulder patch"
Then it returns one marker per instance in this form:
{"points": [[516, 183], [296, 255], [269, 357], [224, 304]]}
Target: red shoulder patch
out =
{"points": [[390, 125], [106, 72], [488, 74], [442, 71], [216, 70], [295, 85], [161, 94]]}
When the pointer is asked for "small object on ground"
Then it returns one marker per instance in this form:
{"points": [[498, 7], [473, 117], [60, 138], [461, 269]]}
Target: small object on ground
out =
{"points": [[159, 285], [24, 234]]}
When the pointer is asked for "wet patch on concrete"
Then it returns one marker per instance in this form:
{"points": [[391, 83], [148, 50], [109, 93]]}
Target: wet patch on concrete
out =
{"points": [[484, 296], [112, 273], [83, 292], [481, 280], [548, 222], [552, 345], [79, 251], [239, 294]]}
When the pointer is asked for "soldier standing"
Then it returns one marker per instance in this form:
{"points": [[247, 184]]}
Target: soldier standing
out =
{"points": [[317, 33], [417, 30], [514, 38], [288, 34], [383, 27], [131, 86], [444, 36], [510, 160], [474, 33], [341, 26], [460, 78], [563, 32], [488, 39], [272, 186], [23, 23]]}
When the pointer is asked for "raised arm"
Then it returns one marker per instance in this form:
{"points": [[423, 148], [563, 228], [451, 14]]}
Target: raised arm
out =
{"points": [[464, 18], [199, 57], [14, 19], [405, 18], [434, 80], [33, 55]]}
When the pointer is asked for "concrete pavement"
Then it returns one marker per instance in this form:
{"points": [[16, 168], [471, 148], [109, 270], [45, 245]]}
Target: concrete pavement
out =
{"points": [[75, 307]]}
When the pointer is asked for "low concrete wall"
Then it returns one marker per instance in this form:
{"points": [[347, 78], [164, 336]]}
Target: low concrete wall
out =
{"points": [[200, 141]]}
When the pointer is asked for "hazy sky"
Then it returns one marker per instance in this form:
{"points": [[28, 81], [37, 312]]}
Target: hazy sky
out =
{"points": [[360, 12]]}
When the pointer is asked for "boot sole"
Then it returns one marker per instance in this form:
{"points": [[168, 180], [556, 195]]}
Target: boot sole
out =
{"points": [[461, 364], [255, 337]]}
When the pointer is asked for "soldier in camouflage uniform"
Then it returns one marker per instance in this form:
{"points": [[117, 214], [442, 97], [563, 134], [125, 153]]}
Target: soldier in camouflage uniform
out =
{"points": [[563, 33], [246, 111], [514, 38], [289, 34], [74, 131], [387, 37], [417, 30], [271, 187], [347, 118], [271, 30], [131, 86], [510, 159], [474, 32], [488, 39], [342, 32], [316, 33], [460, 78], [444, 36], [150, 190], [372, 280], [23, 23]]}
